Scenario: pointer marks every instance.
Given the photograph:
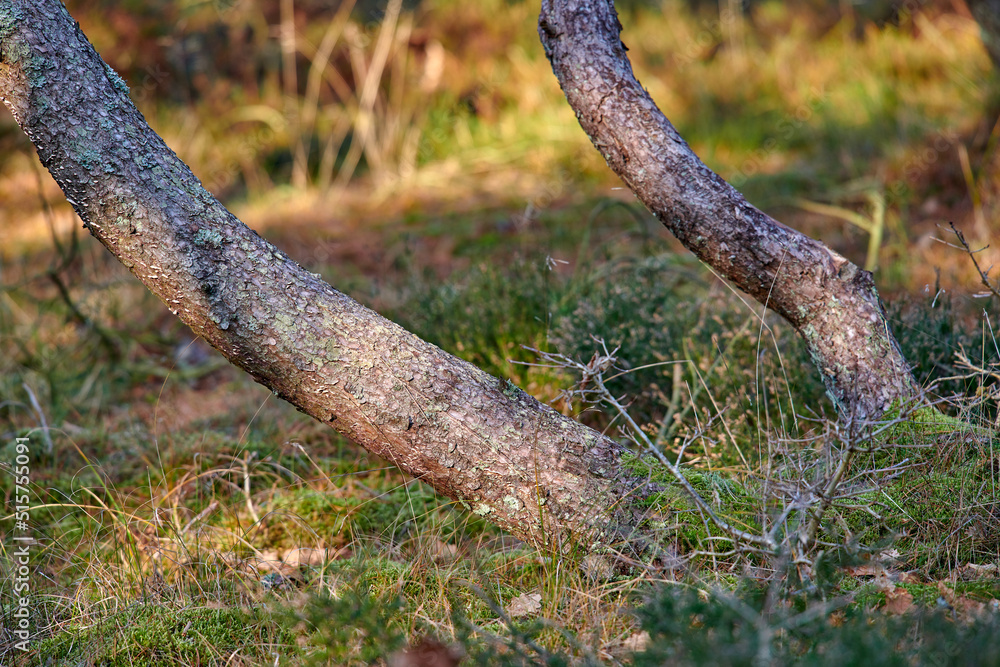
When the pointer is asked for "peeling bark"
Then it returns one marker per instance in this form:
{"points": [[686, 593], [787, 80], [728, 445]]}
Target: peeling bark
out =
{"points": [[831, 302], [472, 437]]}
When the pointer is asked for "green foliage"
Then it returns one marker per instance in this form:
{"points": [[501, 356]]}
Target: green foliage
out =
{"points": [[353, 628], [731, 366], [486, 314], [758, 626], [151, 635], [931, 333]]}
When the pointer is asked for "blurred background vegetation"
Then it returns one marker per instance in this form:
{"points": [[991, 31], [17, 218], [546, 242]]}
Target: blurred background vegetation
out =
{"points": [[421, 157]]}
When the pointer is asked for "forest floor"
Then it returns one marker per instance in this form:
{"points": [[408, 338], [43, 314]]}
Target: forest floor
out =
{"points": [[183, 515]]}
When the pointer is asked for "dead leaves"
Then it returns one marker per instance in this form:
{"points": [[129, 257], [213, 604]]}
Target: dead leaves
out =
{"points": [[899, 588], [527, 604], [427, 653], [897, 600]]}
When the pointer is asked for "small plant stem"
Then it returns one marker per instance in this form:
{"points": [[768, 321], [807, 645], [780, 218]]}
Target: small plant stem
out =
{"points": [[764, 541], [984, 276], [41, 417], [246, 486], [808, 537]]}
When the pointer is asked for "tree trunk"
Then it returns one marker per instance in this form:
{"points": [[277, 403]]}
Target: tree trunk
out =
{"points": [[831, 302], [473, 437]]}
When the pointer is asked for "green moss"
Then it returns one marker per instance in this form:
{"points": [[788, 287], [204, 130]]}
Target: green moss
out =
{"points": [[147, 635], [672, 511], [940, 508], [303, 514], [925, 425]]}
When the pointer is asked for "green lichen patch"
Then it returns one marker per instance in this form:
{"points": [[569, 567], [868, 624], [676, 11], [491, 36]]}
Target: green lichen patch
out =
{"points": [[208, 238], [11, 50], [116, 81], [10, 16]]}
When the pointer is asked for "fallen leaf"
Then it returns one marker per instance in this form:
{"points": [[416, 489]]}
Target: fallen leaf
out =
{"points": [[947, 594], [883, 581], [426, 653], [897, 600], [306, 556], [961, 604], [973, 571], [970, 607], [866, 570], [442, 551], [636, 643], [528, 604]]}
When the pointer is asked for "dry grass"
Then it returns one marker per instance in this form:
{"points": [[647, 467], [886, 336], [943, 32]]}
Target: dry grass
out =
{"points": [[435, 146]]}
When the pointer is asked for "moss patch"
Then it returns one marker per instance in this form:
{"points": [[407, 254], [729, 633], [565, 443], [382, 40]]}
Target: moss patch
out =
{"points": [[152, 635]]}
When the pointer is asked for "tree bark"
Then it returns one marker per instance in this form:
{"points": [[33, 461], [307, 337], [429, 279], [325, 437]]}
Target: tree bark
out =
{"points": [[472, 437], [832, 303]]}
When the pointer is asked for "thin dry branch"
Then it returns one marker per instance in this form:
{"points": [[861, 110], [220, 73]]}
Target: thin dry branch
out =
{"points": [[592, 389], [984, 275]]}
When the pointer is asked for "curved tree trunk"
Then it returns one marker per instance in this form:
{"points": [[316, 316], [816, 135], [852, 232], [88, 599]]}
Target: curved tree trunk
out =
{"points": [[474, 438], [831, 302]]}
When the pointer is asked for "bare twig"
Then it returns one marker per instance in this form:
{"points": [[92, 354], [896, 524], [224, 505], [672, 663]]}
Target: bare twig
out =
{"points": [[592, 375], [807, 536], [808, 485], [984, 275]]}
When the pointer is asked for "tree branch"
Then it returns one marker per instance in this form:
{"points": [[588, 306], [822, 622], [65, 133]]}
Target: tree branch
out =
{"points": [[473, 437], [831, 302]]}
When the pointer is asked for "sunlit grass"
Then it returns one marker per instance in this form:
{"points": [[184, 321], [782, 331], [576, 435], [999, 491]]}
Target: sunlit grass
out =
{"points": [[177, 492]]}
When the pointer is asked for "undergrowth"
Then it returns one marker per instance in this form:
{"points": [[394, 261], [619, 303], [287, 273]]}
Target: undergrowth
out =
{"points": [[184, 516]]}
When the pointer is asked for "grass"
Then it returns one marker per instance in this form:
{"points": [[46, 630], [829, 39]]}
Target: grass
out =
{"points": [[184, 516]]}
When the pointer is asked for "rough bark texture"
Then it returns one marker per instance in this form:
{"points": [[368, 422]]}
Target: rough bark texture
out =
{"points": [[831, 302], [474, 438]]}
